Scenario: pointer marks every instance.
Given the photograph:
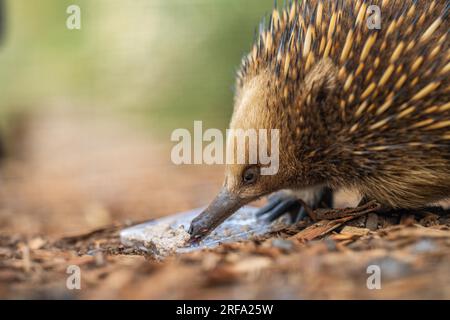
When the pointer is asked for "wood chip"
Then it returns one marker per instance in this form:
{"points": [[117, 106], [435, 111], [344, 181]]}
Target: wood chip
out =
{"points": [[354, 231], [36, 243], [417, 232], [320, 229]]}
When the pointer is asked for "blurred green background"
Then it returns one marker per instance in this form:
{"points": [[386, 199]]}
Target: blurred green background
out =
{"points": [[160, 64]]}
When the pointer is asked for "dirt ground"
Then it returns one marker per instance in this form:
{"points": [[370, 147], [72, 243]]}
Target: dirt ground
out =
{"points": [[80, 180]]}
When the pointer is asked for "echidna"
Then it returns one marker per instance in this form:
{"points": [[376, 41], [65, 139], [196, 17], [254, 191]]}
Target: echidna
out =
{"points": [[357, 107]]}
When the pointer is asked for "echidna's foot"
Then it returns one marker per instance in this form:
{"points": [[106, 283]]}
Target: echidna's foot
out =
{"points": [[280, 203], [297, 204]]}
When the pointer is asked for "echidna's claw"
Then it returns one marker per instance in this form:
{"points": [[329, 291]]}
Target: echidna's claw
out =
{"points": [[298, 216], [283, 202], [280, 203]]}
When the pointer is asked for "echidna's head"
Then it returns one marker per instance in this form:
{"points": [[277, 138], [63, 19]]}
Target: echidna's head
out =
{"points": [[265, 123], [252, 153], [257, 157]]}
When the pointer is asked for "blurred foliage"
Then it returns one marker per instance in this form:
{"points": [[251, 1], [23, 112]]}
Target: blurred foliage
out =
{"points": [[164, 63]]}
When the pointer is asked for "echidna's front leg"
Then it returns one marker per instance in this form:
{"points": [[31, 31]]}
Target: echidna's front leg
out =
{"points": [[296, 203]]}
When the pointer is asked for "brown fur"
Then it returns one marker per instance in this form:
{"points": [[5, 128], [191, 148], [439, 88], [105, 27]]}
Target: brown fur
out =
{"points": [[358, 108]]}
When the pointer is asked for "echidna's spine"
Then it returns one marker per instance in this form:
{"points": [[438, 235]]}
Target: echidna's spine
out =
{"points": [[395, 77]]}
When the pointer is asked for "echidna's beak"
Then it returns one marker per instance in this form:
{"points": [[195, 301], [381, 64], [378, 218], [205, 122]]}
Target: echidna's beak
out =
{"points": [[223, 206]]}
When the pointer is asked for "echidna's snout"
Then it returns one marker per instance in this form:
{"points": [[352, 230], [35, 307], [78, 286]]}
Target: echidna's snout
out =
{"points": [[223, 206]]}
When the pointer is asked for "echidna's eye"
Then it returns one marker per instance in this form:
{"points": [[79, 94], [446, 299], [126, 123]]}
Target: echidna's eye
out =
{"points": [[250, 175]]}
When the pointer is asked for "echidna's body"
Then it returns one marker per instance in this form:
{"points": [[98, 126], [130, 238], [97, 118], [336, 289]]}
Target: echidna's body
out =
{"points": [[357, 107]]}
